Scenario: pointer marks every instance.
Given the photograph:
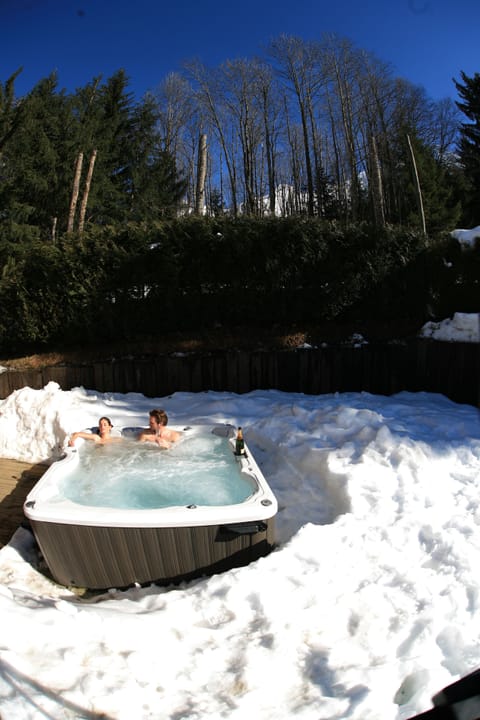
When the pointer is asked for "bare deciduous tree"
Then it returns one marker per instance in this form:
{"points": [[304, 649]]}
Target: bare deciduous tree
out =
{"points": [[296, 60], [201, 174], [318, 125], [75, 192], [209, 95], [86, 191]]}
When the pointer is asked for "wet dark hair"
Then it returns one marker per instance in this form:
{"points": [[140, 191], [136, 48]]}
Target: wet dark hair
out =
{"points": [[104, 417], [160, 416]]}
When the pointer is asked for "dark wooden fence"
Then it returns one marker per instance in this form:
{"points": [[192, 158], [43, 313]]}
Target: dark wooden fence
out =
{"points": [[451, 369]]}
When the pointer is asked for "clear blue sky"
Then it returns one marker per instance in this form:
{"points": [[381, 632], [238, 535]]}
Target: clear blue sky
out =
{"points": [[428, 42]]}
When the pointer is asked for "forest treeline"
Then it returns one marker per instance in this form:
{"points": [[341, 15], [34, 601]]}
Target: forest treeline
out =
{"points": [[312, 178]]}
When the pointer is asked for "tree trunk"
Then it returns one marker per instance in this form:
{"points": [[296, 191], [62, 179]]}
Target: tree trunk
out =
{"points": [[201, 174], [417, 187], [376, 185], [54, 230], [86, 192], [75, 192]]}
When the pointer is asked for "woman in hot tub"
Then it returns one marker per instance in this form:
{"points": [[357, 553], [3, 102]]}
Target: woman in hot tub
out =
{"points": [[102, 435], [158, 431]]}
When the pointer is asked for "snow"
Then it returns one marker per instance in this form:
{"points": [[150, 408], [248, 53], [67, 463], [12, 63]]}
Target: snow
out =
{"points": [[463, 327], [368, 607], [467, 238]]}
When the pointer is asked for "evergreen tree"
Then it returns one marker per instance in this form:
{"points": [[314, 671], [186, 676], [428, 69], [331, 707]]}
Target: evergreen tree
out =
{"points": [[44, 136], [107, 128], [11, 112], [155, 187], [133, 180], [437, 187], [34, 190], [469, 145], [216, 207]]}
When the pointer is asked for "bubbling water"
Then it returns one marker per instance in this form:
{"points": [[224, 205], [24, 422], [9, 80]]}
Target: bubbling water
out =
{"points": [[198, 470]]}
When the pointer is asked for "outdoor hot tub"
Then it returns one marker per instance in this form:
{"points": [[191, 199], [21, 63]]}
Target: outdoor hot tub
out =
{"points": [[127, 512]]}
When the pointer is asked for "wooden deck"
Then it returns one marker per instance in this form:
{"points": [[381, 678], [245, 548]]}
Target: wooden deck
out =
{"points": [[16, 481]]}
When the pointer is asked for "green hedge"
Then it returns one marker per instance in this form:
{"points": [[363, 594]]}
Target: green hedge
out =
{"points": [[196, 273]]}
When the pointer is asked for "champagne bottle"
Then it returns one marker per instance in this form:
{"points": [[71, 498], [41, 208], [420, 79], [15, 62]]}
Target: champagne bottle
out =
{"points": [[239, 443]]}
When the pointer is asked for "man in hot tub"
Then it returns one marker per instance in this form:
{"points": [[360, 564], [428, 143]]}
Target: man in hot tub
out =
{"points": [[158, 431]]}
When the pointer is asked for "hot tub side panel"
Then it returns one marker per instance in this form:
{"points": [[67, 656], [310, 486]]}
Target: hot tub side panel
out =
{"points": [[105, 557]]}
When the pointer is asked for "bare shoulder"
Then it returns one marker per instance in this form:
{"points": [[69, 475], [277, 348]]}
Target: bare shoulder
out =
{"points": [[145, 435]]}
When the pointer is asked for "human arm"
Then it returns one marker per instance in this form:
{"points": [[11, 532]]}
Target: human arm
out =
{"points": [[157, 438], [145, 436], [83, 434]]}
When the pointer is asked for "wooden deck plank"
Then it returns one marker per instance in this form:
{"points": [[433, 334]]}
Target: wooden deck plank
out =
{"points": [[16, 481]]}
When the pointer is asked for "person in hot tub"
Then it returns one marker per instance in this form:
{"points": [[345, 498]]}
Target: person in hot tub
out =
{"points": [[158, 431], [101, 436]]}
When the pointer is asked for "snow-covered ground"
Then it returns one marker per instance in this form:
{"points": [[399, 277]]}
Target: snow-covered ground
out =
{"points": [[368, 607], [467, 238]]}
